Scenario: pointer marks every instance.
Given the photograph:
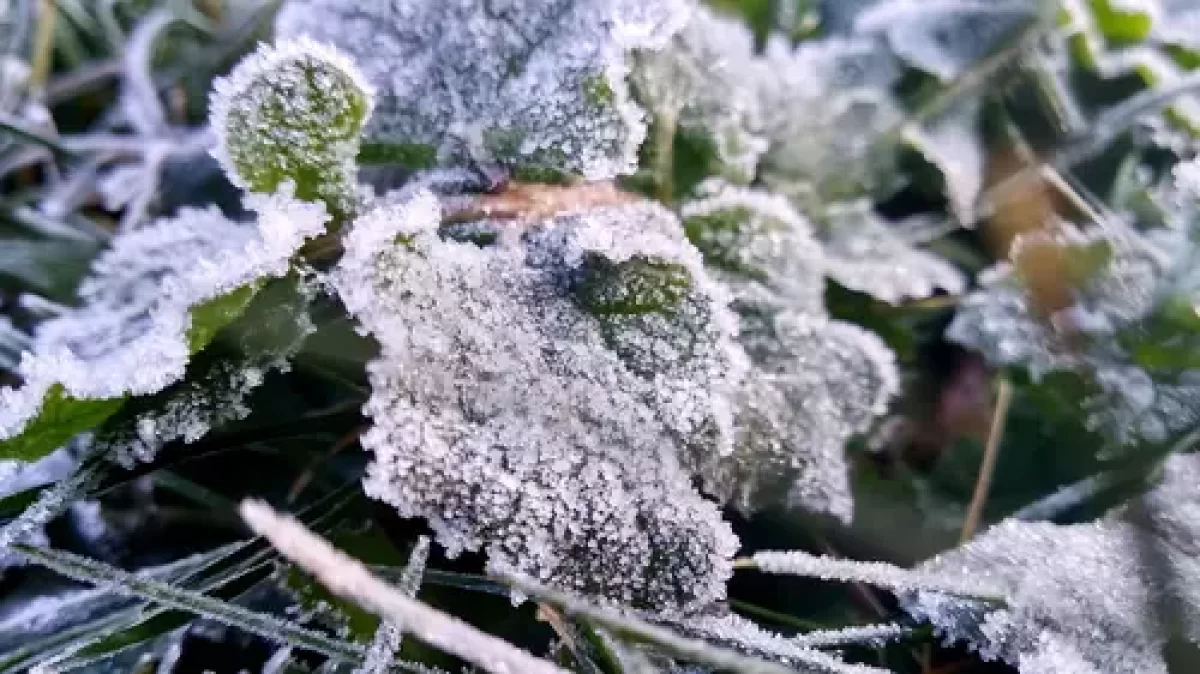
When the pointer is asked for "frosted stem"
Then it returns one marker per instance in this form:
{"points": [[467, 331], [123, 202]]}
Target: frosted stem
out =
{"points": [[386, 642], [879, 574], [348, 578], [49, 504], [266, 626], [691, 650], [869, 635]]}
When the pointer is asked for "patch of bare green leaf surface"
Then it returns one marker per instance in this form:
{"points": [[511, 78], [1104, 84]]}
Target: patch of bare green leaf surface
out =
{"points": [[600, 336]]}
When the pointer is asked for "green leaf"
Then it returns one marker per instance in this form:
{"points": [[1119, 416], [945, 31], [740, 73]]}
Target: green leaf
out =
{"points": [[293, 113], [210, 317], [1121, 23], [62, 417]]}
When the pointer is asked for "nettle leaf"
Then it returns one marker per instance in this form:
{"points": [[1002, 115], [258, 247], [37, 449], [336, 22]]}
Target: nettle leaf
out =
{"points": [[528, 87], [293, 112], [1087, 302], [535, 399], [157, 296], [865, 254], [1083, 597], [810, 95], [758, 245], [700, 89], [814, 382]]}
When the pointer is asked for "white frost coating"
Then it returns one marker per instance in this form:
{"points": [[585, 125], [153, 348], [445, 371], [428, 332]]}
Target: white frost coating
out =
{"points": [[17, 476], [757, 244], [704, 82], [1078, 598], [1004, 322], [219, 393], [735, 632], [678, 645], [809, 96], [945, 37], [130, 335], [865, 255], [879, 574], [952, 142], [519, 423], [814, 383], [348, 578], [325, 94], [381, 652], [528, 83]]}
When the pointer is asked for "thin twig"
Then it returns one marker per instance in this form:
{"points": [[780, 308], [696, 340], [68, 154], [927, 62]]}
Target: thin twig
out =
{"points": [[987, 469], [1106, 128]]}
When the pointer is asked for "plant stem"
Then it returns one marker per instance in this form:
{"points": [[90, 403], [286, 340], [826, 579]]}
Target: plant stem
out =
{"points": [[43, 46], [991, 453]]}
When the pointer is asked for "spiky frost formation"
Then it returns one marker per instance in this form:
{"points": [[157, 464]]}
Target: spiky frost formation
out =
{"points": [[698, 86], [293, 112], [218, 393], [130, 336], [1085, 597], [1082, 301], [534, 85], [865, 255], [528, 400], [814, 382], [735, 632]]}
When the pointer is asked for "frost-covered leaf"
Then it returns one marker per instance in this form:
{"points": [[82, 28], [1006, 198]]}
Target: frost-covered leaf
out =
{"points": [[945, 37], [155, 297], [758, 245], [814, 382], [1080, 597], [809, 96], [1119, 38], [293, 112], [953, 144], [865, 255], [218, 387], [701, 89], [1179, 23], [537, 391], [529, 86], [1088, 302]]}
